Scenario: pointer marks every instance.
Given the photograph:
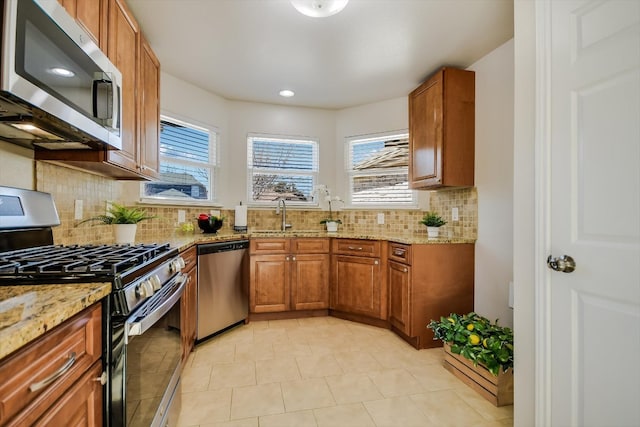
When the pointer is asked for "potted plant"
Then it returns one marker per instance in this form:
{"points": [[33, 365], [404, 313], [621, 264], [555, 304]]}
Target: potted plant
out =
{"points": [[331, 223], [433, 221], [478, 351], [125, 220]]}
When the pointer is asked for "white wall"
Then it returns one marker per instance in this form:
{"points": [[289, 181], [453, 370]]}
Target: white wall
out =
{"points": [[17, 167], [249, 117], [523, 212], [494, 182]]}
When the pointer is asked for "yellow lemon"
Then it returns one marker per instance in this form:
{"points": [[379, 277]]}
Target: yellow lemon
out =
{"points": [[451, 320], [484, 342], [470, 327], [474, 339]]}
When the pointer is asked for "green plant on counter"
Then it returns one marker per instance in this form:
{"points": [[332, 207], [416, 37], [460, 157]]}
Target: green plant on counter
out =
{"points": [[477, 339], [432, 219], [119, 214]]}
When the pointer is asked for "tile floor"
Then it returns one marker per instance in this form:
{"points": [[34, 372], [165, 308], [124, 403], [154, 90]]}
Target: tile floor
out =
{"points": [[325, 372]]}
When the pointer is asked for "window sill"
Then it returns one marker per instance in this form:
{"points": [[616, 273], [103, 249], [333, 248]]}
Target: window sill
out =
{"points": [[179, 203]]}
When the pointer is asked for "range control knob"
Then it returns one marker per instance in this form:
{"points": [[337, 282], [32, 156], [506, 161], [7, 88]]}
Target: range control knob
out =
{"points": [[144, 289], [176, 265], [155, 282]]}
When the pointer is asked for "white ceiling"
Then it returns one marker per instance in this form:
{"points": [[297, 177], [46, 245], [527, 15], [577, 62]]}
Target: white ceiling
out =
{"points": [[371, 51]]}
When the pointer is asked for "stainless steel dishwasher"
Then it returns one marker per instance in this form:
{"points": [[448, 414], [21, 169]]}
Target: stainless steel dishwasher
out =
{"points": [[223, 286]]}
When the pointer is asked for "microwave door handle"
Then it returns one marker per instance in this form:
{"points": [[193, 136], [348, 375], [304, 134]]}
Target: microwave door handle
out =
{"points": [[140, 326], [101, 79]]}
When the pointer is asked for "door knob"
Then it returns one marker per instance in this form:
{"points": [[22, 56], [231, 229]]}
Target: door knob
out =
{"points": [[565, 263]]}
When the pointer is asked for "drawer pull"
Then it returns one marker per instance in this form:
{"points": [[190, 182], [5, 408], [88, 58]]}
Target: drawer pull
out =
{"points": [[353, 248], [57, 374], [398, 252]]}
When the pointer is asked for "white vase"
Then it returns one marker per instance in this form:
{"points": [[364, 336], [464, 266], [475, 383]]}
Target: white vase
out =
{"points": [[332, 226], [433, 232], [125, 233]]}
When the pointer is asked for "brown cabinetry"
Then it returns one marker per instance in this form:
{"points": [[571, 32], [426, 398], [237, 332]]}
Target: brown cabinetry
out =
{"points": [[426, 282], [189, 303], [358, 285], [441, 130], [288, 274], [90, 15], [55, 379], [124, 44]]}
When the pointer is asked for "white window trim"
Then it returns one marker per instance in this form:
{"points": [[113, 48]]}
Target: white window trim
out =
{"points": [[214, 164], [313, 203], [414, 205]]}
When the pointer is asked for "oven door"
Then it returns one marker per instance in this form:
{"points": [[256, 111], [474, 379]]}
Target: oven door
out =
{"points": [[152, 352]]}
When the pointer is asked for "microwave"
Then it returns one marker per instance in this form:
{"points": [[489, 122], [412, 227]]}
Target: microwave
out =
{"points": [[58, 90]]}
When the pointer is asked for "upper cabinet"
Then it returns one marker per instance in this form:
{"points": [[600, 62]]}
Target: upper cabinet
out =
{"points": [[117, 32], [441, 130]]}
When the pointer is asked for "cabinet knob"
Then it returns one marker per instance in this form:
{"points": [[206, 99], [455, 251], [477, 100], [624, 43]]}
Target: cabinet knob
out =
{"points": [[376, 262], [293, 258], [286, 258], [406, 269]]}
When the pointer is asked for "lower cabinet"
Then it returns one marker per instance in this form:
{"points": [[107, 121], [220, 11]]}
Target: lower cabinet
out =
{"points": [[289, 274], [55, 380], [189, 303], [399, 298]]}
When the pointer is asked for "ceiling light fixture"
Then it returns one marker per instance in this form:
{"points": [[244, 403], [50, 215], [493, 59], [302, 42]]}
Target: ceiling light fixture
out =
{"points": [[319, 8], [62, 72], [287, 93]]}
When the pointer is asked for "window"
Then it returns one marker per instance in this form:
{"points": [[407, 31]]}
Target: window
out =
{"points": [[284, 168], [187, 163], [378, 171]]}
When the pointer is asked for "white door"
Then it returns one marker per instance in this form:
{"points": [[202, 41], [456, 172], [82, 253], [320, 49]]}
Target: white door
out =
{"points": [[588, 321]]}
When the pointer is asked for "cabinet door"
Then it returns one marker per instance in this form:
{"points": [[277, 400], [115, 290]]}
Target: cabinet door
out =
{"points": [[425, 133], [357, 285], [149, 111], [123, 52], [399, 296], [188, 313], [310, 282], [90, 14], [81, 405], [269, 284]]}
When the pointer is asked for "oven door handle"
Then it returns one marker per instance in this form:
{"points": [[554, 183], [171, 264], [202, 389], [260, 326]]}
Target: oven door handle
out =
{"points": [[140, 325]]}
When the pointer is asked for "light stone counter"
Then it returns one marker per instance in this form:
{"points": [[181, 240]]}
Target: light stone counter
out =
{"points": [[27, 312]]}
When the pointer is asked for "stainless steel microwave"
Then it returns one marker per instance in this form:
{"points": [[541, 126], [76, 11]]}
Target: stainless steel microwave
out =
{"points": [[58, 89]]}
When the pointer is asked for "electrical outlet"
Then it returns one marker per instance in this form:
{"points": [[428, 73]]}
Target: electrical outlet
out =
{"points": [[78, 210], [181, 216], [215, 212], [454, 214], [381, 218]]}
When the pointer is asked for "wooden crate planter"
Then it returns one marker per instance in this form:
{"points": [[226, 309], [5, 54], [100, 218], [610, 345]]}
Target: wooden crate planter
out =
{"points": [[497, 390]]}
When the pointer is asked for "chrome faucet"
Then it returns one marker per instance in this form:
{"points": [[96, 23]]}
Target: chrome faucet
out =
{"points": [[284, 224]]}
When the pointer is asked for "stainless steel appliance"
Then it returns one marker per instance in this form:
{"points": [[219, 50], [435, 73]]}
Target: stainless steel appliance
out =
{"points": [[57, 89], [141, 350], [223, 286]]}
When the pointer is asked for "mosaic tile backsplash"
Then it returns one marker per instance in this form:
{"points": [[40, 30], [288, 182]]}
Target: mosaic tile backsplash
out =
{"points": [[68, 185]]}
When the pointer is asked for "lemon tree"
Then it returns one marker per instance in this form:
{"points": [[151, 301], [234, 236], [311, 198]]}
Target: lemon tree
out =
{"points": [[475, 338]]}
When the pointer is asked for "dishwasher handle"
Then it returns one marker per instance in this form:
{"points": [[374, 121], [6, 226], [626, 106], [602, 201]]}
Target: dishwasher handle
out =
{"points": [[212, 248]]}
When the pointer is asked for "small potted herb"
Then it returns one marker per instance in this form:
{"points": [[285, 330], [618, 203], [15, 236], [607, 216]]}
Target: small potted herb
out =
{"points": [[433, 221], [125, 220]]}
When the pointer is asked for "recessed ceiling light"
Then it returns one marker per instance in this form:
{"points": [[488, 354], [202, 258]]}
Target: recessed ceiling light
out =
{"points": [[319, 8], [62, 72], [287, 93]]}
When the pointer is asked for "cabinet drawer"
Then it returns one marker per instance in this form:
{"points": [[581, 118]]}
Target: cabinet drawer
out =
{"points": [[399, 252], [272, 246], [310, 246], [190, 257], [356, 247], [63, 355]]}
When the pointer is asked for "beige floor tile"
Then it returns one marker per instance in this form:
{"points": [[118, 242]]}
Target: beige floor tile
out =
{"points": [[211, 353], [435, 377], [205, 407], [446, 408], [314, 321], [321, 365], [291, 349], [484, 407], [357, 361], [246, 422], [351, 388], [306, 394], [236, 374], [195, 378], [284, 323], [396, 412], [276, 370], [271, 336], [289, 419], [257, 400], [395, 382], [392, 358], [260, 324], [353, 415], [254, 351], [236, 335], [507, 422]]}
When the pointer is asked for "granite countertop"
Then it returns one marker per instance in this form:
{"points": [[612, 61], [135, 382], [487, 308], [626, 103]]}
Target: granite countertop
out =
{"points": [[187, 240], [27, 312]]}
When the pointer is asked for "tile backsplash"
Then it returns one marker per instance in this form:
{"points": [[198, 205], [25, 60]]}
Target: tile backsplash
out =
{"points": [[67, 185]]}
